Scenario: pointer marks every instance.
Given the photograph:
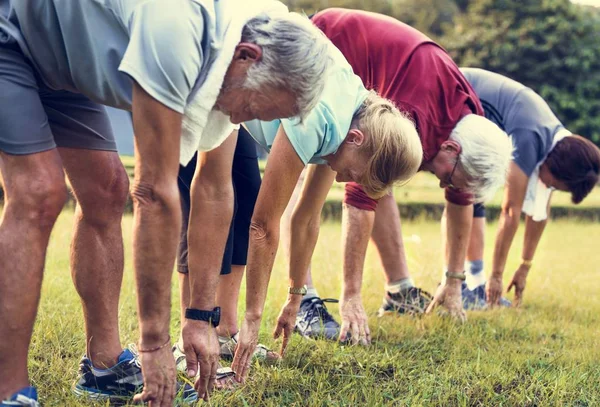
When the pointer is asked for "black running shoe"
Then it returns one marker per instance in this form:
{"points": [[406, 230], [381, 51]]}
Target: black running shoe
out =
{"points": [[411, 301], [118, 384], [314, 321]]}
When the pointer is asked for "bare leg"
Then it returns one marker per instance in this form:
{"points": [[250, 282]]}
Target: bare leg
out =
{"points": [[477, 240], [101, 185], [35, 193], [387, 236]]}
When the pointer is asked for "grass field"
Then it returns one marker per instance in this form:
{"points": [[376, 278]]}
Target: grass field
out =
{"points": [[546, 354]]}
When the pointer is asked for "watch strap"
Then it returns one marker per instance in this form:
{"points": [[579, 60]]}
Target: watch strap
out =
{"points": [[458, 276], [298, 291], [213, 317]]}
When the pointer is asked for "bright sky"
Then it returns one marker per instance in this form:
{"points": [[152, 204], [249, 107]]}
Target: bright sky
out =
{"points": [[588, 2]]}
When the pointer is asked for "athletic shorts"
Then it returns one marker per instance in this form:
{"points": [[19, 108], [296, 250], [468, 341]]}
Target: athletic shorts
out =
{"points": [[34, 118], [246, 184], [479, 210]]}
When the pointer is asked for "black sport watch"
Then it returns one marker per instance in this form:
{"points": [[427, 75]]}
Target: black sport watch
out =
{"points": [[212, 317]]}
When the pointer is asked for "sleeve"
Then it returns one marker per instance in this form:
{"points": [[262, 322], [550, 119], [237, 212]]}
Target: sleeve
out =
{"points": [[164, 54], [458, 197], [355, 195], [307, 137], [528, 148]]}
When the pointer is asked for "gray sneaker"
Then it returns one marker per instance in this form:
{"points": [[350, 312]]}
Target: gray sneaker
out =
{"points": [[314, 321], [411, 301]]}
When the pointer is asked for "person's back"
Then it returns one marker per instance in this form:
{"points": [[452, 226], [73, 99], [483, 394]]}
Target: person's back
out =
{"points": [[426, 84], [520, 112], [84, 46]]}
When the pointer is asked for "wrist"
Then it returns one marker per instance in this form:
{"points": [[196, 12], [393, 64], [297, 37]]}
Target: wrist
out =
{"points": [[253, 316], [453, 282], [497, 273], [294, 299], [527, 263]]}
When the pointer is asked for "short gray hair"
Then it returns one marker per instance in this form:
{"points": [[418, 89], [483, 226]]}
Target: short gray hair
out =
{"points": [[486, 153], [295, 56]]}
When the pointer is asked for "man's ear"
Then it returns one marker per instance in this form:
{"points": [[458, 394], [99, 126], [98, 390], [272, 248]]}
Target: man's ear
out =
{"points": [[246, 51], [451, 146], [355, 136]]}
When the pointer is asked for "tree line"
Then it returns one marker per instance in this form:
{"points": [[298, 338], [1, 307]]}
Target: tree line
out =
{"points": [[552, 46]]}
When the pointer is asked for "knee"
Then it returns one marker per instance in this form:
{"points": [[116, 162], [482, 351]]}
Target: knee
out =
{"points": [[105, 201], [39, 201]]}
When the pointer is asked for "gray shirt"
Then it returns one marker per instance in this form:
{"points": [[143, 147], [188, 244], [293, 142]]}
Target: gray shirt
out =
{"points": [[520, 112], [95, 47]]}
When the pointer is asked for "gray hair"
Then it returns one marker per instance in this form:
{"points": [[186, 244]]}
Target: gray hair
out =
{"points": [[486, 152], [295, 56]]}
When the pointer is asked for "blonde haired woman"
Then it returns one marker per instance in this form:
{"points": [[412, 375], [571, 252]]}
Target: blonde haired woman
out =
{"points": [[351, 135]]}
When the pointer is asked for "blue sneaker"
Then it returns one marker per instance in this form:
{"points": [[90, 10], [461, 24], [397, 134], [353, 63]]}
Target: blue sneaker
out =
{"points": [[25, 397], [476, 299], [119, 383], [314, 321]]}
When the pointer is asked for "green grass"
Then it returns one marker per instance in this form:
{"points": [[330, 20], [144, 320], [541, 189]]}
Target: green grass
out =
{"points": [[424, 187], [545, 354]]}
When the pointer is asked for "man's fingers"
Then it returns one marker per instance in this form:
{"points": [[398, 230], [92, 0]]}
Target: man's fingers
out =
{"points": [[355, 331], [201, 384], [211, 379], [344, 331], [277, 332], [148, 394], [431, 306], [191, 361], [286, 339], [367, 333], [510, 286]]}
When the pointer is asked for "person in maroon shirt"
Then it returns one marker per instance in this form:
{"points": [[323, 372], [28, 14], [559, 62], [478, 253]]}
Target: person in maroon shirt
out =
{"points": [[468, 153]]}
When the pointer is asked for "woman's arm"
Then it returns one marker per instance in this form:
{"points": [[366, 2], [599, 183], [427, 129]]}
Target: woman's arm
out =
{"points": [[514, 194], [533, 234], [281, 174]]}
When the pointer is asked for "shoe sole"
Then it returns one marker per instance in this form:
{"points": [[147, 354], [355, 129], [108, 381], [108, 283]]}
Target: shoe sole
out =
{"points": [[117, 400]]}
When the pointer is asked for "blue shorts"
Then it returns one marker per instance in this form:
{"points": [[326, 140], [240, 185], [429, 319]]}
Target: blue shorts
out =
{"points": [[34, 118]]}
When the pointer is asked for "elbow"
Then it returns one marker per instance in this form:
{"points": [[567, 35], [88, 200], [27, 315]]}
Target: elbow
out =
{"points": [[264, 232], [155, 197]]}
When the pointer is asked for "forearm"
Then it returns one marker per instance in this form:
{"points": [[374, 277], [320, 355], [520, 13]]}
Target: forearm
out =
{"points": [[458, 230], [304, 233], [210, 220], [264, 240], [157, 222], [507, 227], [357, 225], [533, 234]]}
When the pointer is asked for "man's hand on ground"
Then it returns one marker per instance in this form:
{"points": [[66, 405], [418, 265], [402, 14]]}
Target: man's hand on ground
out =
{"points": [[449, 296], [354, 321], [201, 347]]}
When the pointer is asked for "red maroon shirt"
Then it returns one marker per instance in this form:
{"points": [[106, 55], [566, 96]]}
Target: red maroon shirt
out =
{"points": [[407, 67]]}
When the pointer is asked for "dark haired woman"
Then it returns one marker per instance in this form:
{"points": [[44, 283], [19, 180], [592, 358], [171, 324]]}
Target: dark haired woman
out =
{"points": [[547, 157]]}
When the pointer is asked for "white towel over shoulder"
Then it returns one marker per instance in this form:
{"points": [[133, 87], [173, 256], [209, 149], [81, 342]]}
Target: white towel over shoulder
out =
{"points": [[538, 194], [204, 128]]}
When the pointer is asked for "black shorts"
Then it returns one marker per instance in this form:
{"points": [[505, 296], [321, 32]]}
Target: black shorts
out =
{"points": [[246, 184], [479, 210]]}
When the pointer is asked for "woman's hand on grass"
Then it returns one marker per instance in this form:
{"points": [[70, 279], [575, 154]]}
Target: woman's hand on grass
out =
{"points": [[519, 281], [286, 321], [244, 350], [493, 289]]}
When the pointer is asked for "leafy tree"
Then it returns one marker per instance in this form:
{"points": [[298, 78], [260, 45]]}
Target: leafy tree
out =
{"points": [[552, 46]]}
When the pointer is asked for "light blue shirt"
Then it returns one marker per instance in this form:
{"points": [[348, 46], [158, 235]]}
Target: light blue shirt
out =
{"points": [[327, 125], [95, 47]]}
